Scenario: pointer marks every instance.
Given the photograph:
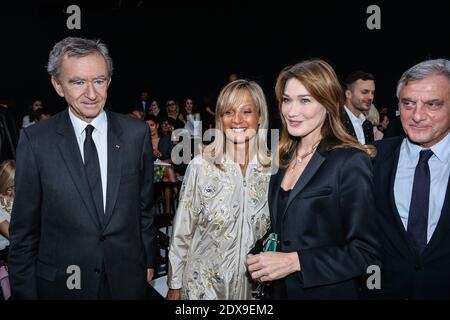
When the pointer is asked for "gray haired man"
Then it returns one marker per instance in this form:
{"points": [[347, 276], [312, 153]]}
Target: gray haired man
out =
{"points": [[411, 177], [82, 225]]}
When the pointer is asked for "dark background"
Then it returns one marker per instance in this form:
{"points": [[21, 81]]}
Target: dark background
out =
{"points": [[189, 48]]}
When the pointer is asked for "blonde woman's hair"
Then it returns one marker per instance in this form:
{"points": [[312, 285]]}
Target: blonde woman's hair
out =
{"points": [[230, 96], [7, 173], [321, 81], [373, 116]]}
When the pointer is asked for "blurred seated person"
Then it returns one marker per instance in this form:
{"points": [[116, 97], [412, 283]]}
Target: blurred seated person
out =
{"points": [[166, 127], [7, 173], [394, 127], [156, 111], [143, 103], [162, 148], [192, 117], [40, 114], [27, 119], [374, 118], [173, 112], [384, 122]]}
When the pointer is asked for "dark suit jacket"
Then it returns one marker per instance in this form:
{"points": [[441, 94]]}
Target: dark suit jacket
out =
{"points": [[405, 275], [329, 219], [55, 223], [139, 106], [367, 128]]}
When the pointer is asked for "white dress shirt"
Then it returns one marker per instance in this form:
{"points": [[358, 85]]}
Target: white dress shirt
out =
{"points": [[439, 164], [357, 123], [100, 137]]}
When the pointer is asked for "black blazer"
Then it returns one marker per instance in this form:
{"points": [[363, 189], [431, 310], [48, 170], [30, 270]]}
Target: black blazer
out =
{"points": [[405, 275], [54, 223], [140, 107], [329, 219], [367, 128]]}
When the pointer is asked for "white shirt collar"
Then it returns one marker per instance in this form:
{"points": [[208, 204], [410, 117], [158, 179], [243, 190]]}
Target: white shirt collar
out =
{"points": [[441, 149], [354, 118], [99, 123]]}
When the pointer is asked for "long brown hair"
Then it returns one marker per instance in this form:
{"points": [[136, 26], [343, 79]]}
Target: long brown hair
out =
{"points": [[321, 81]]}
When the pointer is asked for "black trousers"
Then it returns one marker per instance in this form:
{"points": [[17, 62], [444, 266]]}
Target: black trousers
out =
{"points": [[104, 293]]}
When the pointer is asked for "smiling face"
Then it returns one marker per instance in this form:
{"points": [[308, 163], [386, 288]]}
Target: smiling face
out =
{"points": [[361, 95], [83, 82], [303, 114], [240, 122], [425, 109]]}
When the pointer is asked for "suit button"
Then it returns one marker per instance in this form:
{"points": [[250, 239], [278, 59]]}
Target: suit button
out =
{"points": [[97, 270], [287, 242], [418, 268], [102, 238]]}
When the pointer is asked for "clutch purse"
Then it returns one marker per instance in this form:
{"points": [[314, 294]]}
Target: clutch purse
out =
{"points": [[269, 245]]}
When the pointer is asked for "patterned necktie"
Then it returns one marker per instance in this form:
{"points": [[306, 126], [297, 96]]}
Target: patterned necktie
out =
{"points": [[420, 198], [92, 167]]}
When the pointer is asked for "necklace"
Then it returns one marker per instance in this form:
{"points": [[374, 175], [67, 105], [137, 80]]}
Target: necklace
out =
{"points": [[299, 158]]}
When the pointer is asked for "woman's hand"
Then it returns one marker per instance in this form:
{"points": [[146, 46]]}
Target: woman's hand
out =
{"points": [[269, 266], [157, 153], [150, 274], [174, 294]]}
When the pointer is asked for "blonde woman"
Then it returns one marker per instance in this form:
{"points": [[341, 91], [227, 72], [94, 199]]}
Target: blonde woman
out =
{"points": [[223, 207], [322, 199], [374, 117], [7, 173]]}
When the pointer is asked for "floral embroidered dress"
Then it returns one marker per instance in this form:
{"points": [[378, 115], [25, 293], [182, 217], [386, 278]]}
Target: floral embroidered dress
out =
{"points": [[220, 216]]}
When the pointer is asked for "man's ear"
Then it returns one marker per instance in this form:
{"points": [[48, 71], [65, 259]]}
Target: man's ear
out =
{"points": [[57, 87], [348, 94]]}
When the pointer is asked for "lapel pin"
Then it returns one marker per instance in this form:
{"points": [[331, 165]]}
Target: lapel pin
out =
{"points": [[117, 146]]}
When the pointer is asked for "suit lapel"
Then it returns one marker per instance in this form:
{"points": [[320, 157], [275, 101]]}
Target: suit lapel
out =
{"points": [[309, 172], [442, 226], [274, 190], [392, 163], [348, 123], [68, 146], [115, 150]]}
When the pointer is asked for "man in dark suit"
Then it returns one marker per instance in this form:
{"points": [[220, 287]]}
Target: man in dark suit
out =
{"points": [[82, 222], [143, 104], [412, 189], [359, 95]]}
